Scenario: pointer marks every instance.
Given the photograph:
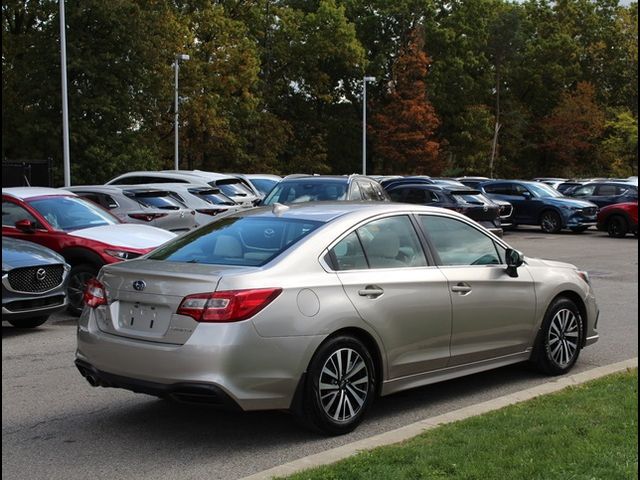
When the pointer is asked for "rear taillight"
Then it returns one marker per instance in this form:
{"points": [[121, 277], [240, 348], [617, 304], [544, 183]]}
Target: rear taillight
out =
{"points": [[227, 306], [209, 211], [94, 294], [147, 217]]}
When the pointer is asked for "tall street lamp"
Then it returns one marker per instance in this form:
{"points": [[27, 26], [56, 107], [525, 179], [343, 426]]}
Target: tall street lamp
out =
{"points": [[364, 122], [176, 65], [65, 108]]}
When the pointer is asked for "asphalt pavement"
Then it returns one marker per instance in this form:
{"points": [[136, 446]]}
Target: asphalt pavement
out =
{"points": [[55, 426]]}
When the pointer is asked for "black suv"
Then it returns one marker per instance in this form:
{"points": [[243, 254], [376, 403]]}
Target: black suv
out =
{"points": [[471, 203], [332, 188]]}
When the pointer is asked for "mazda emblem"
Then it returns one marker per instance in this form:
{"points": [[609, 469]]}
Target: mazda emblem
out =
{"points": [[41, 273], [139, 285]]}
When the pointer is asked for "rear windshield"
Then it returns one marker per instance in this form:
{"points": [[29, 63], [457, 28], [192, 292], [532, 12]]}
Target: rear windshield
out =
{"points": [[247, 241], [233, 188], [212, 196], [307, 191], [162, 200]]}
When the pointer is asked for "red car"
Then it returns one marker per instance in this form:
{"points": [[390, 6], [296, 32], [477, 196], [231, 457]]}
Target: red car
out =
{"points": [[619, 219], [83, 233]]}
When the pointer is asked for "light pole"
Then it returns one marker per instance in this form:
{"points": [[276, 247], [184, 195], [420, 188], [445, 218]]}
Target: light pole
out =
{"points": [[364, 122], [176, 65], [65, 108]]}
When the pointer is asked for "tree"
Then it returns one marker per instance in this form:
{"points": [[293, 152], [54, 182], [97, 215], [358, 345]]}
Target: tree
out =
{"points": [[404, 129], [572, 131], [619, 149]]}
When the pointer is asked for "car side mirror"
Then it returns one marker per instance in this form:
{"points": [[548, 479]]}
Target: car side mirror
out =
{"points": [[526, 195], [25, 225], [514, 260]]}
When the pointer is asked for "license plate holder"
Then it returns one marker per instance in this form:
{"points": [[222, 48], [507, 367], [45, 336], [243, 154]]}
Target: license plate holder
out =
{"points": [[144, 319]]}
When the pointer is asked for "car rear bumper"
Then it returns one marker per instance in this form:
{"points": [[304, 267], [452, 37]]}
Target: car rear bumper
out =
{"points": [[221, 363]]}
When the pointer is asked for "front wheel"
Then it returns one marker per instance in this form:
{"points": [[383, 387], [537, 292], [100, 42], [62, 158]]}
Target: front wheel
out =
{"points": [[617, 227], [340, 386], [550, 222], [559, 340], [78, 278]]}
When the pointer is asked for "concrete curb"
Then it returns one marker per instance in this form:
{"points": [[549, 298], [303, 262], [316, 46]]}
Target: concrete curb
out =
{"points": [[404, 433]]}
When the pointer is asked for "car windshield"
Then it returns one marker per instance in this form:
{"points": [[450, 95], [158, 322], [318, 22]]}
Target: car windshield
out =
{"points": [[307, 191], [246, 241], [542, 190], [71, 213]]}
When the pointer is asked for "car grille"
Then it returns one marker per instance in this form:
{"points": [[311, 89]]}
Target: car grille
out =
{"points": [[505, 211], [36, 279], [36, 303], [589, 211]]}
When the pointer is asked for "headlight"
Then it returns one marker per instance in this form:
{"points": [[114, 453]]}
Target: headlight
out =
{"points": [[122, 254]]}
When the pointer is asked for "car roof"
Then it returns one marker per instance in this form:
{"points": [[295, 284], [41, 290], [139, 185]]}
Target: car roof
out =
{"points": [[201, 174], [24, 193], [319, 178], [436, 186], [167, 174], [112, 189]]}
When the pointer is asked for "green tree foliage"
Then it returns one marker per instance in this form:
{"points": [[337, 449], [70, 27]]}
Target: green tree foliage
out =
{"points": [[276, 85]]}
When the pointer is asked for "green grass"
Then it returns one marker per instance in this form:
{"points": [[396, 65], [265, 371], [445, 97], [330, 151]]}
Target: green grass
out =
{"points": [[585, 432]]}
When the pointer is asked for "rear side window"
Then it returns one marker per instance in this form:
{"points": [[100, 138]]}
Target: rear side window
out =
{"points": [[457, 243], [390, 242], [247, 241]]}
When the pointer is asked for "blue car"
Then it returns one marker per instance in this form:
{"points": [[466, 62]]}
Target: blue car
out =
{"points": [[535, 203]]}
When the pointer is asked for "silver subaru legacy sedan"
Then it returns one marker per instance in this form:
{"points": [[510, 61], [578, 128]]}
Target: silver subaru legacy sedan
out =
{"points": [[319, 308]]}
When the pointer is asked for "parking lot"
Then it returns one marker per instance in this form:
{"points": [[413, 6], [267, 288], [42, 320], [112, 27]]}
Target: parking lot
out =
{"points": [[55, 426]]}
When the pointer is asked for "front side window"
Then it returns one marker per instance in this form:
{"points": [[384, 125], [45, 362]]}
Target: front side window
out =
{"points": [[71, 213], [584, 191], [247, 241], [458, 243], [12, 213]]}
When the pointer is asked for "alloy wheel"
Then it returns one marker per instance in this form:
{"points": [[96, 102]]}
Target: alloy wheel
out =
{"points": [[343, 385], [563, 337]]}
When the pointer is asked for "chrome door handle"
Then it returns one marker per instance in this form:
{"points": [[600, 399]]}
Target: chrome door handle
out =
{"points": [[371, 292], [461, 288]]}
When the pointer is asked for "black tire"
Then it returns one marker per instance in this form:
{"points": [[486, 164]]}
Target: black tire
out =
{"points": [[617, 227], [559, 339], [29, 322], [550, 222], [579, 229], [355, 382], [78, 277]]}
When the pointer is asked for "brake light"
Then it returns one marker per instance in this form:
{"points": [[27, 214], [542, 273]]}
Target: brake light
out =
{"points": [[94, 294], [227, 306], [209, 211], [147, 217]]}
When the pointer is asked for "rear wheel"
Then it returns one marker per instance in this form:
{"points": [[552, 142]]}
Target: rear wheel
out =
{"points": [[78, 278], [340, 386], [559, 340], [29, 322], [550, 222], [617, 227]]}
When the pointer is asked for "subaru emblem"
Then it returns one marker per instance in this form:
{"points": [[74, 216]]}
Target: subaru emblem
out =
{"points": [[139, 285]]}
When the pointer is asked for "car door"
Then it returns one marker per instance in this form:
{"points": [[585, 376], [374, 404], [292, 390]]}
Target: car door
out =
{"points": [[385, 274], [507, 192], [493, 313]]}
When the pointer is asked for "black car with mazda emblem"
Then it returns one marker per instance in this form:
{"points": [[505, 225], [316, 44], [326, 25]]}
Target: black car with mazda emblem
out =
{"points": [[465, 200], [34, 283]]}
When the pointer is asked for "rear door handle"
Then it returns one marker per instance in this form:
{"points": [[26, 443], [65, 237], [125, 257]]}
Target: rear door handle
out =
{"points": [[371, 291], [461, 288]]}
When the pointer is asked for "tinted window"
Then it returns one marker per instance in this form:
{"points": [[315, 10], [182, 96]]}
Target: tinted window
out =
{"points": [[500, 189], [12, 213], [249, 241], [233, 188], [391, 242], [608, 190], [368, 193], [583, 191], [263, 185], [71, 213], [457, 243], [212, 196], [420, 197]]}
